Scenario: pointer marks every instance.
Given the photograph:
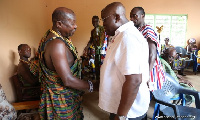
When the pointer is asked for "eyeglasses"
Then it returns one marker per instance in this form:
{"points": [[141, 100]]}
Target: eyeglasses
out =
{"points": [[103, 19]]}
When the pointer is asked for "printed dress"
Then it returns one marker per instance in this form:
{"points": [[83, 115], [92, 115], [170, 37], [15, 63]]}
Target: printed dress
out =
{"points": [[58, 102]]}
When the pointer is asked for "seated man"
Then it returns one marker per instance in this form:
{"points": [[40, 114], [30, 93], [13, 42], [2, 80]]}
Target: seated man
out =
{"points": [[23, 67], [167, 58], [97, 40], [25, 76]]}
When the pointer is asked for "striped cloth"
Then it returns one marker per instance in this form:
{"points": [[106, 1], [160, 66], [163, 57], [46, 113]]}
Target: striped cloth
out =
{"points": [[157, 74], [58, 102], [104, 49]]}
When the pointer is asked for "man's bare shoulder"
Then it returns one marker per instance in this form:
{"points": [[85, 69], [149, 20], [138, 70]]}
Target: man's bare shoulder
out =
{"points": [[55, 45]]}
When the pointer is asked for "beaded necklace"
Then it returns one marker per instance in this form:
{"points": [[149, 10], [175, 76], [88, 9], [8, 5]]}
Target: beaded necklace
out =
{"points": [[71, 46], [21, 60]]}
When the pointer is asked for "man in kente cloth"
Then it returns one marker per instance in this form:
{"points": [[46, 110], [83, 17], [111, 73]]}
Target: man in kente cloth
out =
{"points": [[61, 89], [96, 41], [23, 69], [26, 75]]}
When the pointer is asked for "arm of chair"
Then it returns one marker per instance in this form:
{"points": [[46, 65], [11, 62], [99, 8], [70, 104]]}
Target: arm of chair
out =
{"points": [[174, 107], [196, 95]]}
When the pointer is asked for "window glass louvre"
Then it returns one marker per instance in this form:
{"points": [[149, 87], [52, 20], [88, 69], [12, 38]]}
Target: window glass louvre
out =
{"points": [[174, 27]]}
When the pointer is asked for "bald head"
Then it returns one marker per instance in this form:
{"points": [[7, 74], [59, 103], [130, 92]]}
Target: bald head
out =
{"points": [[113, 16], [114, 8], [61, 13], [64, 21]]}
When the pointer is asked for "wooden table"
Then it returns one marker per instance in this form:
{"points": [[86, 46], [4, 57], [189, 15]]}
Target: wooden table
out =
{"points": [[26, 105]]}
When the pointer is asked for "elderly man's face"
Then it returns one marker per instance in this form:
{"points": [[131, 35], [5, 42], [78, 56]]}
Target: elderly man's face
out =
{"points": [[69, 26]]}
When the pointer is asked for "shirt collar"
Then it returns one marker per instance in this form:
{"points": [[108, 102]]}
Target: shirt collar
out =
{"points": [[123, 28]]}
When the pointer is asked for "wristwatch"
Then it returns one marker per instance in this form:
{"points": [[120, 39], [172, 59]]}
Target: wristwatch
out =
{"points": [[122, 117]]}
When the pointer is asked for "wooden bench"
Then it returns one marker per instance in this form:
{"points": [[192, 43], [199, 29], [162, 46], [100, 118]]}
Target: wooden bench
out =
{"points": [[26, 105]]}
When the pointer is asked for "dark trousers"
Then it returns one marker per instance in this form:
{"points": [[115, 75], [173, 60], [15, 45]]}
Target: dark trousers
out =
{"points": [[143, 117]]}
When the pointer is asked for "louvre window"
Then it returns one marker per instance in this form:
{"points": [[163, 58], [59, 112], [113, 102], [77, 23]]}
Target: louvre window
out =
{"points": [[174, 27]]}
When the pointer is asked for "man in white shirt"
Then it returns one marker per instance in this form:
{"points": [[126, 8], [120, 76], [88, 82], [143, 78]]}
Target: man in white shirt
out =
{"points": [[124, 74]]}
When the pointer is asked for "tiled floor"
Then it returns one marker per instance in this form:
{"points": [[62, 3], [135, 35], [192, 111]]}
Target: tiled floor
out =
{"points": [[93, 112]]}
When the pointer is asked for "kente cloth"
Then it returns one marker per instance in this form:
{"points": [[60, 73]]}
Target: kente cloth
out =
{"points": [[34, 66], [58, 102], [168, 69], [98, 37], [157, 74]]}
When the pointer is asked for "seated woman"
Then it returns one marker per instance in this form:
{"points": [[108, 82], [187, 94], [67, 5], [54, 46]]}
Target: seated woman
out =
{"points": [[167, 58], [25, 76], [166, 45]]}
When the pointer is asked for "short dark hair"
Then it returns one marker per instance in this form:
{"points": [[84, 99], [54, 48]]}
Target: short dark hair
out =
{"points": [[20, 46], [168, 50], [61, 13], [141, 10], [58, 15], [95, 17]]}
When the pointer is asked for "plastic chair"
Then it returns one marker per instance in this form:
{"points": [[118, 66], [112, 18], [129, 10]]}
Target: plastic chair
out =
{"points": [[181, 51], [178, 112]]}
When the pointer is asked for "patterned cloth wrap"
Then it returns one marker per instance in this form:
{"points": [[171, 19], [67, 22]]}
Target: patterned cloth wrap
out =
{"points": [[58, 102], [98, 34], [34, 65], [179, 64], [7, 111], [98, 37], [157, 74]]}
